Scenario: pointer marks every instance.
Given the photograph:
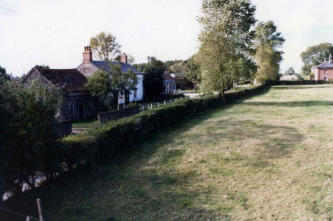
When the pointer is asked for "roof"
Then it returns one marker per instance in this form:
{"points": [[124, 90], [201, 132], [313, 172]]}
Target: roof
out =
{"points": [[325, 65], [70, 79], [105, 65]]}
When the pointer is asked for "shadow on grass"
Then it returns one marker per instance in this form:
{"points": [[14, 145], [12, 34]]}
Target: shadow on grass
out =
{"points": [[276, 141]]}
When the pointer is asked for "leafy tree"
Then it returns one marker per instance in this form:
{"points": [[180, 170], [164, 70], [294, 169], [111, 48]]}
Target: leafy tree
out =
{"points": [[192, 70], [290, 70], [153, 79], [30, 134], [268, 57], [4, 76], [225, 40], [315, 55], [104, 46], [107, 85]]}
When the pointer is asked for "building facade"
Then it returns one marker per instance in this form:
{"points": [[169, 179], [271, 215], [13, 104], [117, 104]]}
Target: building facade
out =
{"points": [[77, 103], [89, 67], [324, 71]]}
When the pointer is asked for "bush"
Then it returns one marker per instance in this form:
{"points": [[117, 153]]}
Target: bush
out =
{"points": [[29, 134]]}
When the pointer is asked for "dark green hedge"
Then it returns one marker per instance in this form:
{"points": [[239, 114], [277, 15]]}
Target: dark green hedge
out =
{"points": [[100, 144]]}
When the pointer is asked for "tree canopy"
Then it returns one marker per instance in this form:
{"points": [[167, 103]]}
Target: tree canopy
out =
{"points": [[268, 41], [105, 47], [4, 76], [226, 41], [315, 55], [106, 85], [153, 80]]}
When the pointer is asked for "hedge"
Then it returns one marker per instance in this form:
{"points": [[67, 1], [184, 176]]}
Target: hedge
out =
{"points": [[101, 143]]}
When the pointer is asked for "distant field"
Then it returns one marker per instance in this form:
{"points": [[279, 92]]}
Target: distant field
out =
{"points": [[265, 158]]}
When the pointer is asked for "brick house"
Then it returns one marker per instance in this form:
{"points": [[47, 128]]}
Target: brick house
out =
{"points": [[324, 71], [78, 104]]}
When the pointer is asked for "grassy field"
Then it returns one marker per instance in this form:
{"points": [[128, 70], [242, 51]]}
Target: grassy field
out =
{"points": [[265, 158]]}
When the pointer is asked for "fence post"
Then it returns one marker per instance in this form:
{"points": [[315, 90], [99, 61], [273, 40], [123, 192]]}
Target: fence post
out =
{"points": [[39, 207], [164, 102], [158, 104], [28, 218]]}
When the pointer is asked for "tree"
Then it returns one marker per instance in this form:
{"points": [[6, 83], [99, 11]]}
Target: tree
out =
{"points": [[315, 55], [290, 70], [106, 85], [30, 134], [153, 79], [268, 57], [225, 40], [4, 76], [105, 47], [192, 70]]}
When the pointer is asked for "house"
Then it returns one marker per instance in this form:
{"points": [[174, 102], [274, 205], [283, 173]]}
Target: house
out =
{"points": [[89, 67], [78, 104], [182, 82], [169, 83], [324, 71], [289, 77]]}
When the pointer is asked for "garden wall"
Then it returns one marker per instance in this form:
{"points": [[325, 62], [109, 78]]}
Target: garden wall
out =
{"points": [[115, 115]]}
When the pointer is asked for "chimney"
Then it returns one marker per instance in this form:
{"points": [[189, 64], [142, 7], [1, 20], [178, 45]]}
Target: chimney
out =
{"points": [[123, 58], [87, 55]]}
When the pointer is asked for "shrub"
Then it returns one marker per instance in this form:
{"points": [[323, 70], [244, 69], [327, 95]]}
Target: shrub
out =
{"points": [[29, 137]]}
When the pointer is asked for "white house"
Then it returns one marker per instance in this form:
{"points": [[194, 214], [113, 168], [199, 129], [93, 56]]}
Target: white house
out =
{"points": [[89, 67]]}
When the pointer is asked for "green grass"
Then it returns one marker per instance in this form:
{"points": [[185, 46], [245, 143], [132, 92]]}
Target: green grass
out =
{"points": [[85, 124], [265, 158]]}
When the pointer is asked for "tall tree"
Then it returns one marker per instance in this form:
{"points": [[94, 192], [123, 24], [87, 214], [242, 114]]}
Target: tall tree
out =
{"points": [[153, 80], [268, 57], [192, 70], [4, 76], [226, 38], [106, 85], [105, 47], [315, 55]]}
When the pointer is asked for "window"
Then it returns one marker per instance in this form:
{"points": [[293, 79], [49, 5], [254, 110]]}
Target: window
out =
{"points": [[135, 94]]}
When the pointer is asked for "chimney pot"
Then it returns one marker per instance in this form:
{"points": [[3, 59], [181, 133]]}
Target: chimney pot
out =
{"points": [[123, 58], [87, 55]]}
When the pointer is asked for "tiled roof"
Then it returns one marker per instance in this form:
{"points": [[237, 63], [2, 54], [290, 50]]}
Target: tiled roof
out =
{"points": [[325, 65], [106, 66], [70, 79]]}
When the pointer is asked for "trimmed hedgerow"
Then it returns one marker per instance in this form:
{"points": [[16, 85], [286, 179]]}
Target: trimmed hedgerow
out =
{"points": [[102, 142]]}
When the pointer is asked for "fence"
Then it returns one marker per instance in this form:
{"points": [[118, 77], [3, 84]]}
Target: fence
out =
{"points": [[65, 128], [115, 115], [149, 106]]}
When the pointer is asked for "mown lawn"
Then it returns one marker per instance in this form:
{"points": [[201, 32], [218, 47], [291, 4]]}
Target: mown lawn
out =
{"points": [[265, 158]]}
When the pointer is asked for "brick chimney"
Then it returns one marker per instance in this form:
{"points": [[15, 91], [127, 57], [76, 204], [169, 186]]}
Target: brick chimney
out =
{"points": [[87, 55], [123, 58]]}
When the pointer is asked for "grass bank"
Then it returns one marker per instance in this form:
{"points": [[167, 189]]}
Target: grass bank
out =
{"points": [[264, 158]]}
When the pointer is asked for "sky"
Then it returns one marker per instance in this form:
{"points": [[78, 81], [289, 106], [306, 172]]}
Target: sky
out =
{"points": [[54, 33]]}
